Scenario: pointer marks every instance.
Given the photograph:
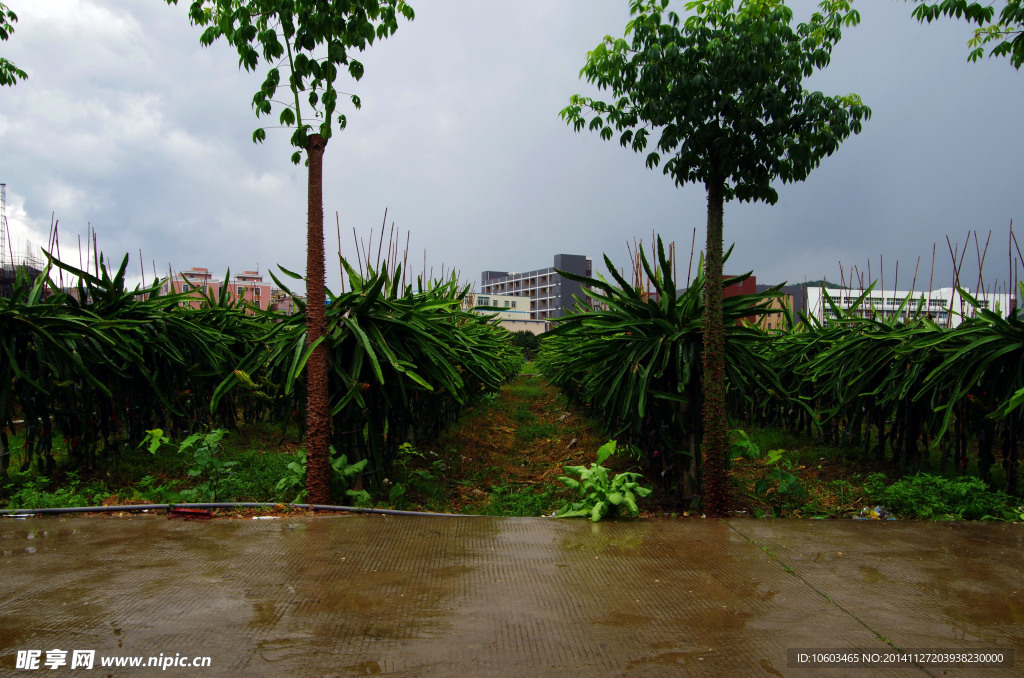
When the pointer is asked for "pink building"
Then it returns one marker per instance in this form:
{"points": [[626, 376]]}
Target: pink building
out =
{"points": [[196, 282], [247, 287]]}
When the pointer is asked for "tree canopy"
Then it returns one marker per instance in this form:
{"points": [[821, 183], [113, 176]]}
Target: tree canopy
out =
{"points": [[1005, 33], [724, 89], [9, 73], [313, 40]]}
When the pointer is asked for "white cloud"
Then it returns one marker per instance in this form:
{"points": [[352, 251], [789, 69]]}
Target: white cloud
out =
{"points": [[25, 235], [80, 19]]}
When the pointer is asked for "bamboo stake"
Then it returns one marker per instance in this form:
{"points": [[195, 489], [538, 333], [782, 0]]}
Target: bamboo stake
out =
{"points": [[957, 264], [981, 263], [391, 237], [881, 266], [341, 265], [405, 258], [931, 281], [380, 244], [689, 267], [672, 258], [56, 237], [355, 239]]}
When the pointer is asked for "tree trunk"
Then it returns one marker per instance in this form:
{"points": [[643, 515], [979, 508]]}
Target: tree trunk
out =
{"points": [[716, 490], [318, 432]]}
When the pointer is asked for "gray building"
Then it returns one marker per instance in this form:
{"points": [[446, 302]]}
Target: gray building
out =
{"points": [[551, 295]]}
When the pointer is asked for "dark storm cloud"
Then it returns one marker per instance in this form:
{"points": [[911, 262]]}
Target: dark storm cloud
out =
{"points": [[125, 122]]}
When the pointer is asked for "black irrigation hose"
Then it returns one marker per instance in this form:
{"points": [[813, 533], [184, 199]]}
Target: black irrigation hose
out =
{"points": [[167, 507]]}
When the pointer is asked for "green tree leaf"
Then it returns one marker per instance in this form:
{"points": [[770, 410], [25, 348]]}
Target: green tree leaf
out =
{"points": [[1004, 32], [9, 73]]}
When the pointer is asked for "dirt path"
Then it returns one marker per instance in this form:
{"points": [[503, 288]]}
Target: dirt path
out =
{"points": [[515, 444]]}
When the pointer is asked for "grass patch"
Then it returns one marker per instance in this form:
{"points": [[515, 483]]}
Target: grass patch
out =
{"points": [[255, 476], [536, 430], [519, 501], [522, 415]]}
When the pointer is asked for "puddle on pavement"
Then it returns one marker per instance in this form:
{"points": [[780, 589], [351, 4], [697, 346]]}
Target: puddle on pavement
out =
{"points": [[871, 575], [367, 668], [31, 541], [691, 658], [973, 611], [368, 594]]}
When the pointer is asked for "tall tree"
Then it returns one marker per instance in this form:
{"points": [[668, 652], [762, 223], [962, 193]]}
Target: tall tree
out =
{"points": [[9, 73], [312, 40], [724, 89], [1006, 31]]}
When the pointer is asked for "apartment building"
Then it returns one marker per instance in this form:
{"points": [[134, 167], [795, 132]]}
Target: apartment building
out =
{"points": [[247, 286], [945, 306], [196, 282], [282, 302], [550, 294], [513, 312]]}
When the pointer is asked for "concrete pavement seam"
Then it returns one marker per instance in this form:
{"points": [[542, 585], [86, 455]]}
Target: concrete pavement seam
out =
{"points": [[771, 554]]}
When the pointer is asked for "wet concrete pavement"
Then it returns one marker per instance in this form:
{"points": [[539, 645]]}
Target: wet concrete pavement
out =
{"points": [[423, 596]]}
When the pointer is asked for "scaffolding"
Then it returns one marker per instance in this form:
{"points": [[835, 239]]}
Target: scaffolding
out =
{"points": [[12, 262], [3, 224]]}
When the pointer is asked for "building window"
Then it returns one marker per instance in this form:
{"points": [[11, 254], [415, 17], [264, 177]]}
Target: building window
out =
{"points": [[241, 291], [256, 291], [508, 304], [484, 301], [184, 287]]}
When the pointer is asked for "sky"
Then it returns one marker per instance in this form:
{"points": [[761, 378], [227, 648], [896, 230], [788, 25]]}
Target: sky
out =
{"points": [[127, 126]]}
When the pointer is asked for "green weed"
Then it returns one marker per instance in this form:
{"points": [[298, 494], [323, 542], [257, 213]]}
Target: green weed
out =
{"points": [[292, 486], [601, 495], [27, 490], [778, 485], [932, 497], [416, 472], [206, 464]]}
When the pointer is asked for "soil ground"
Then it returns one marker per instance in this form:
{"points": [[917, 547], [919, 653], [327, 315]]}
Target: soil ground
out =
{"points": [[521, 439], [503, 457]]}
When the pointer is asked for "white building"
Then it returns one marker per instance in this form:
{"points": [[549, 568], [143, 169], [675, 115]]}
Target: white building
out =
{"points": [[945, 306], [513, 311]]}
